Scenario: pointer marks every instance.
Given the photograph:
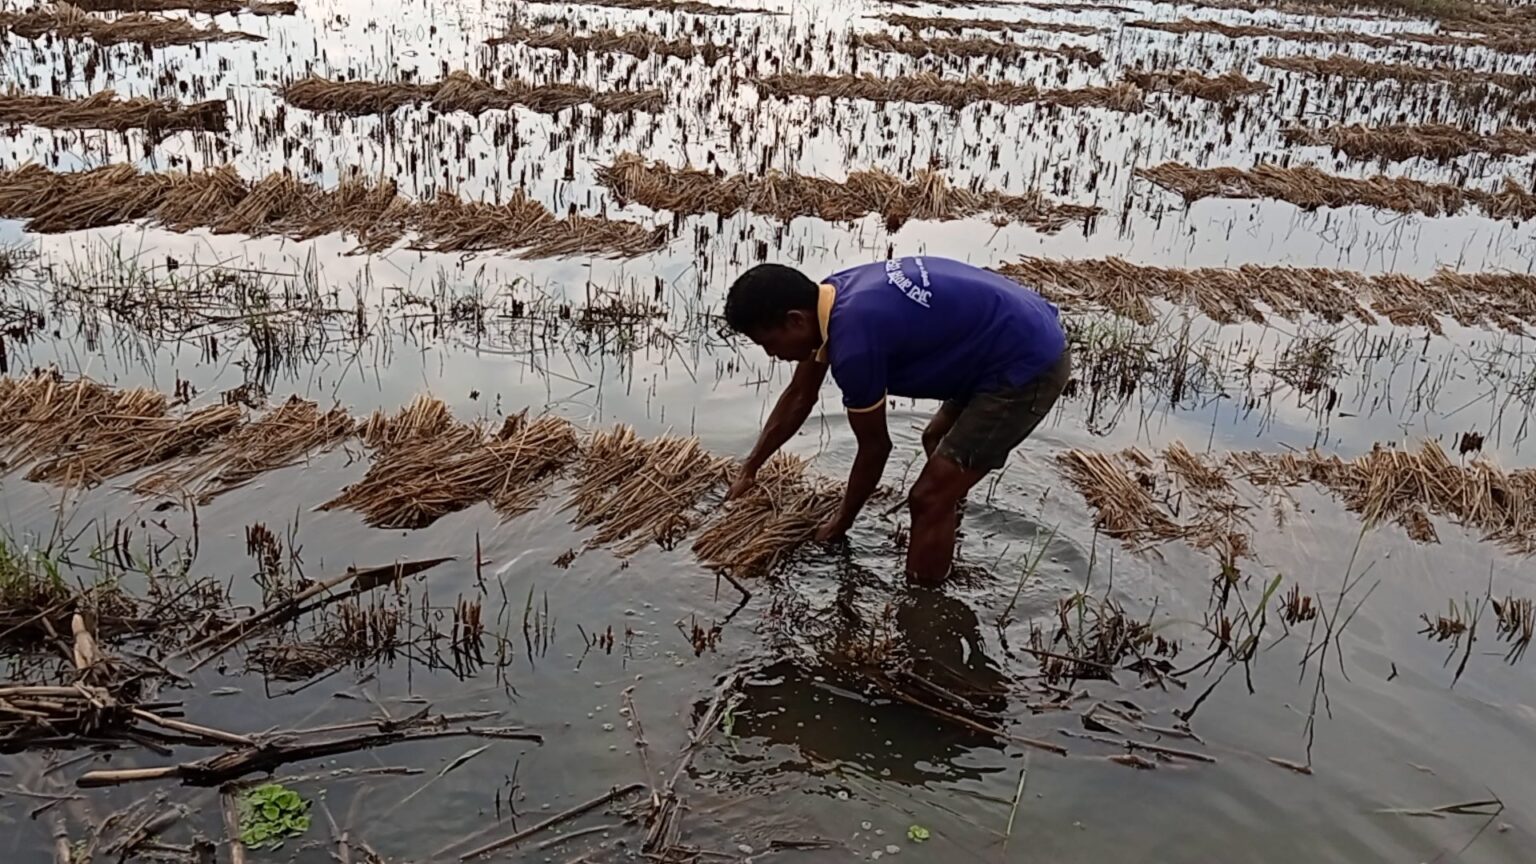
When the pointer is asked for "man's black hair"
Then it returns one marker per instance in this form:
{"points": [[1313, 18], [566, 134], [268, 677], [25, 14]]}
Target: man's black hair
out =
{"points": [[765, 294]]}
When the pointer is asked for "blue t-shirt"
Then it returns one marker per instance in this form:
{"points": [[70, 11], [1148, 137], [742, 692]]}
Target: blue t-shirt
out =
{"points": [[933, 328]]}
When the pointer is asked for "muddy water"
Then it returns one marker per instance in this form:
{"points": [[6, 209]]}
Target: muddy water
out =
{"points": [[812, 753]]}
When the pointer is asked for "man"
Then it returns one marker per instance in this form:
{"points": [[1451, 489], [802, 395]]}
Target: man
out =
{"points": [[926, 328]]}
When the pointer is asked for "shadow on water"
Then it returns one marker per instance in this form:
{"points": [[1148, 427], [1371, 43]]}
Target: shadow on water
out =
{"points": [[845, 694]]}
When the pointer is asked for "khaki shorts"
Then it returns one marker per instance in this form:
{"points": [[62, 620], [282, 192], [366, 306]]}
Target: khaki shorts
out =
{"points": [[989, 425]]}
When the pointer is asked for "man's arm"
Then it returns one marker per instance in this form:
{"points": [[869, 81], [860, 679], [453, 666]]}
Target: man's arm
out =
{"points": [[788, 415], [874, 449]]}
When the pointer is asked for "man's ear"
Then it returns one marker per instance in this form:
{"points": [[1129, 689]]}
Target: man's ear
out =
{"points": [[799, 319]]}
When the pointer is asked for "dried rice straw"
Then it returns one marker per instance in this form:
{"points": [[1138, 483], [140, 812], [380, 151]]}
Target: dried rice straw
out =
{"points": [[1340, 66], [966, 48], [956, 25], [1399, 142], [280, 438], [652, 502], [374, 213], [70, 22], [1227, 295], [1221, 88], [103, 110], [642, 45], [927, 87], [778, 515], [460, 91], [1309, 188], [928, 195], [201, 7], [1241, 31]]}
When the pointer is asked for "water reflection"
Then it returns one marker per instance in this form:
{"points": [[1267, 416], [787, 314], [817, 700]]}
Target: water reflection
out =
{"points": [[871, 688]]}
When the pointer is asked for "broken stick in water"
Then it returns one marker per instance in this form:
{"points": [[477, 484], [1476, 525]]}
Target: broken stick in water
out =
{"points": [[611, 795], [364, 579]]}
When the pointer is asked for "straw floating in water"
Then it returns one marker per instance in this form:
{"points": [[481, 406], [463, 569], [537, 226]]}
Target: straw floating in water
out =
{"points": [[1404, 487], [693, 7], [70, 22], [927, 87], [279, 438], [956, 25], [637, 491], [1400, 486], [609, 458], [136, 434], [637, 44], [103, 110], [429, 466], [1310, 188], [1227, 87], [928, 195], [1340, 66], [776, 516], [1015, 4], [652, 502], [460, 91], [966, 48], [201, 7], [375, 214], [81, 432], [1243, 31], [1226, 295], [1399, 142], [1125, 509]]}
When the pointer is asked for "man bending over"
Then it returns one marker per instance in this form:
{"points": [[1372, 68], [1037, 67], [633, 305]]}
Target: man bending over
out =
{"points": [[926, 328]]}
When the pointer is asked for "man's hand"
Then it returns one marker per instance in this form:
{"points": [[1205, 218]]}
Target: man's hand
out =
{"points": [[746, 478], [832, 530]]}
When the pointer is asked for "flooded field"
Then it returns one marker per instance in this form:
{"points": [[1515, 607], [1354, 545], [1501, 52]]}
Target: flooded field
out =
{"points": [[366, 416]]}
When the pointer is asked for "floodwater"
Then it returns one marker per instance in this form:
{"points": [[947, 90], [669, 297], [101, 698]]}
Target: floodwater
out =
{"points": [[811, 751]]}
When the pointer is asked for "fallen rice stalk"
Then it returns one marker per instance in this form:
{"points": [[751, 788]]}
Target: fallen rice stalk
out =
{"points": [[637, 491], [1397, 143], [1240, 31], [1503, 300], [778, 515], [609, 457], [428, 467], [1401, 486], [690, 6], [1340, 66], [460, 91], [201, 7], [652, 502], [122, 432], [988, 48], [1309, 188], [70, 22], [1125, 508], [927, 87], [218, 199], [1221, 88], [1321, 8], [1404, 487], [956, 25], [103, 110], [280, 438], [786, 196], [1015, 4], [41, 414], [642, 45]]}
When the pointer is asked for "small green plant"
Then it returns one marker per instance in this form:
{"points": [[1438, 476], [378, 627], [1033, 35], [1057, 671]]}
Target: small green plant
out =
{"points": [[270, 814], [918, 834]]}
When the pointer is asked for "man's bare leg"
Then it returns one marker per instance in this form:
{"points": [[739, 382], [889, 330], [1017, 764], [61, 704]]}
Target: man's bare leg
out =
{"points": [[939, 489], [943, 420]]}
